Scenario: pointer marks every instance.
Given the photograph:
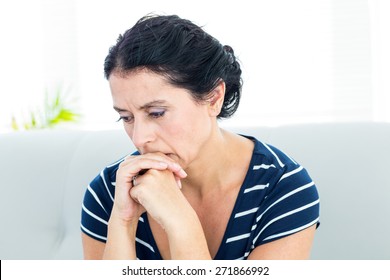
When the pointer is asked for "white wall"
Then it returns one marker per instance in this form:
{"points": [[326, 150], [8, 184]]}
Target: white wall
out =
{"points": [[21, 55], [302, 60]]}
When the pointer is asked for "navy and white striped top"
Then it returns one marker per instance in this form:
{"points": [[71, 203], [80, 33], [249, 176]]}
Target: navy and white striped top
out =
{"points": [[276, 199]]}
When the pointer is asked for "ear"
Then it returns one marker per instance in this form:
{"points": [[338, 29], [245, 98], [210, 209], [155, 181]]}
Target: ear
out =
{"points": [[216, 99]]}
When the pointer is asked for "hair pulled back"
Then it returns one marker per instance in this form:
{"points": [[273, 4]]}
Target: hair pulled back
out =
{"points": [[182, 52]]}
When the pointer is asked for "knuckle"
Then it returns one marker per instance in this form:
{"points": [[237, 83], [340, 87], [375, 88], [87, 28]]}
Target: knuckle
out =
{"points": [[153, 172], [121, 165]]}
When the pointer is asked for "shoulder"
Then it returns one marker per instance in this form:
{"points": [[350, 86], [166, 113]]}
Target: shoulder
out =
{"points": [[291, 201], [271, 153], [284, 166], [271, 160], [272, 171], [279, 176]]}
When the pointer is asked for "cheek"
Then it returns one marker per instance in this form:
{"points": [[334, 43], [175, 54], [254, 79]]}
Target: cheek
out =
{"points": [[128, 130], [187, 134], [177, 131], [183, 143]]}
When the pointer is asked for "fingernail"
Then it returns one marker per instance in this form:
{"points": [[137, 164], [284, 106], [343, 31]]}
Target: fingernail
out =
{"points": [[183, 173]]}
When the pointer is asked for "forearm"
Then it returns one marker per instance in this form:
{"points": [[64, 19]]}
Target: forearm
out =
{"points": [[120, 240], [187, 240]]}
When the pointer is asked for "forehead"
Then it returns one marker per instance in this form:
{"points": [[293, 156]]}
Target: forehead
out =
{"points": [[143, 86], [137, 80]]}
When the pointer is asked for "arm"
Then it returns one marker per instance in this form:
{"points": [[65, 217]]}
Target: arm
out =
{"points": [[123, 221], [120, 239], [158, 193], [288, 218], [186, 238], [293, 247], [120, 235], [92, 249]]}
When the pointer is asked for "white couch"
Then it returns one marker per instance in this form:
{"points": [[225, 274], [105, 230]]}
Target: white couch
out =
{"points": [[44, 175]]}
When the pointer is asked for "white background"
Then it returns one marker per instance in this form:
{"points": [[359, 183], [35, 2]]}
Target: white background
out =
{"points": [[279, 270], [302, 60]]}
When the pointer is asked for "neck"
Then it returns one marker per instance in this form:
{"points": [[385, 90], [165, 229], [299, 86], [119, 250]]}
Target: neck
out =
{"points": [[215, 167]]}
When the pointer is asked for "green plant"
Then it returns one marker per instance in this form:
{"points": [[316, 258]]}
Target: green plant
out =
{"points": [[56, 110]]}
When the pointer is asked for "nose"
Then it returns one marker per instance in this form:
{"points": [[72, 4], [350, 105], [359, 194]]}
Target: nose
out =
{"points": [[141, 134]]}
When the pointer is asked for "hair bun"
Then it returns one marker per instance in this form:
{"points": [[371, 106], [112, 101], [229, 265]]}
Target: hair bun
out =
{"points": [[230, 53]]}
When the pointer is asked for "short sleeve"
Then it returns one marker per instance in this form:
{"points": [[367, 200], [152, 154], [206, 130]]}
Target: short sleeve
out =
{"points": [[290, 206], [97, 204]]}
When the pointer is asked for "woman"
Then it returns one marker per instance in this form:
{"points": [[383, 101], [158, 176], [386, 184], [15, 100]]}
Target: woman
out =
{"points": [[192, 190]]}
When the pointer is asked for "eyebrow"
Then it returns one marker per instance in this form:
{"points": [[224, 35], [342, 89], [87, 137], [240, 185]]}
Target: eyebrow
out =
{"points": [[148, 105]]}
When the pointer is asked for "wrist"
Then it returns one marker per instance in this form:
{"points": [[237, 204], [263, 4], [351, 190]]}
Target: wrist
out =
{"points": [[117, 220], [121, 235], [126, 215]]}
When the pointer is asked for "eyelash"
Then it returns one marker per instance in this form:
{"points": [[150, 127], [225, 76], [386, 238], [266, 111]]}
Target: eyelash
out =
{"points": [[124, 119], [153, 115], [157, 114]]}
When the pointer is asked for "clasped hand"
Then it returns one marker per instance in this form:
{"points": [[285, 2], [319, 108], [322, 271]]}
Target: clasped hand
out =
{"points": [[157, 190]]}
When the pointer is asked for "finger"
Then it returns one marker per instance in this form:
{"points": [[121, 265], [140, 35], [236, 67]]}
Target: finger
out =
{"points": [[137, 180], [177, 170], [135, 166], [178, 182], [159, 157]]}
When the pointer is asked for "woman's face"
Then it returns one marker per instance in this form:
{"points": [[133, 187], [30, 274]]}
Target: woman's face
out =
{"points": [[159, 117]]}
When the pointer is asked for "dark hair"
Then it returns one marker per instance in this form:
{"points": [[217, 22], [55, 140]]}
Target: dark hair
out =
{"points": [[182, 52]]}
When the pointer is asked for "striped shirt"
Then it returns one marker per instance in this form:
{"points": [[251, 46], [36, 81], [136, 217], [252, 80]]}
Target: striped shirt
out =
{"points": [[276, 199]]}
